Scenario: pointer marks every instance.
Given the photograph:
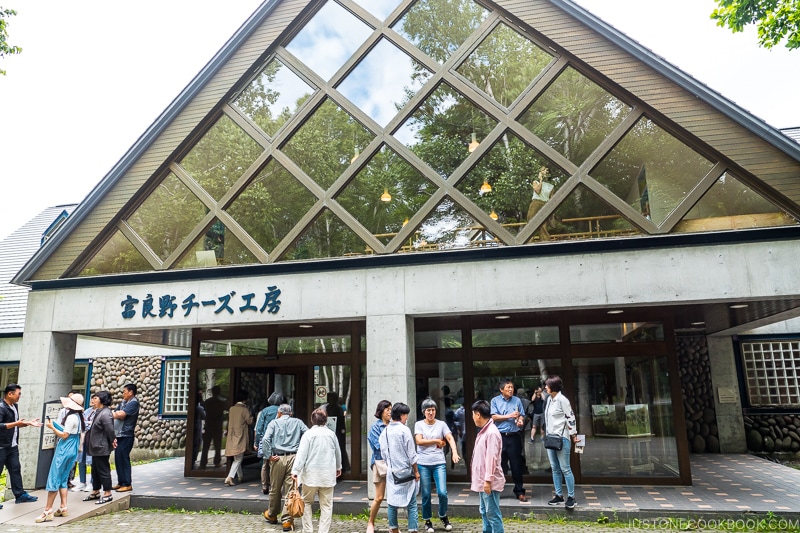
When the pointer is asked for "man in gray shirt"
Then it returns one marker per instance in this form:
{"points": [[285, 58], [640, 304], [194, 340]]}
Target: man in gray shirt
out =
{"points": [[281, 441]]}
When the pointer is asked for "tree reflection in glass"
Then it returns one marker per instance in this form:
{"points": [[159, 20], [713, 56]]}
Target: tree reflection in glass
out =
{"points": [[509, 167], [273, 97], [270, 205], [386, 171], [327, 236], [573, 115], [218, 246], [115, 257], [651, 170], [167, 216], [324, 146], [504, 64]]}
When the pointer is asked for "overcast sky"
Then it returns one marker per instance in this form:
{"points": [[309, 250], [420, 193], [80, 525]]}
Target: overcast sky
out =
{"points": [[94, 74]]}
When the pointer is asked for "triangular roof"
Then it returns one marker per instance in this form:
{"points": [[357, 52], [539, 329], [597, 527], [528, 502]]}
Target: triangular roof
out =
{"points": [[15, 251], [749, 144]]}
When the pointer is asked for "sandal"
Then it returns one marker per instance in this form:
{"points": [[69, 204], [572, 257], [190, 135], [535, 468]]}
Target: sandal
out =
{"points": [[61, 511], [92, 496], [104, 499], [46, 516]]}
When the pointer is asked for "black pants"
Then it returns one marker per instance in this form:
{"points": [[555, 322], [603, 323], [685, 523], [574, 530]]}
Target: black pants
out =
{"points": [[512, 452], [101, 473], [208, 438], [9, 458]]}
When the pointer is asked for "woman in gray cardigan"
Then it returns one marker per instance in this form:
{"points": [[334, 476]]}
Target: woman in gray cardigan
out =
{"points": [[100, 442]]}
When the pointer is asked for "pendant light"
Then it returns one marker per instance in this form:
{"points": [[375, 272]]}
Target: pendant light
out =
{"points": [[386, 197], [474, 144], [493, 215], [486, 188]]}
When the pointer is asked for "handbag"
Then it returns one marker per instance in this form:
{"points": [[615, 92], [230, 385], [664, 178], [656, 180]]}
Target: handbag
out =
{"points": [[404, 475], [295, 505], [380, 468], [553, 442]]}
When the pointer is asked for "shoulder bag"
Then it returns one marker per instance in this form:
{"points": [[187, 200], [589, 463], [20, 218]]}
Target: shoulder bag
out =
{"points": [[553, 441], [403, 475], [295, 505]]}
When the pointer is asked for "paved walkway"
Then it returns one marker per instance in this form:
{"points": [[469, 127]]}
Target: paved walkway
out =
{"points": [[725, 486]]}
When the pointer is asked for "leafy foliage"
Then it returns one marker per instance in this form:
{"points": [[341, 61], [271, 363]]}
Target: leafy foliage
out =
{"points": [[776, 20], [5, 48]]}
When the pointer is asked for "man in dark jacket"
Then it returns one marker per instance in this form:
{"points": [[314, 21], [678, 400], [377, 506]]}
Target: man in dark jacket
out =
{"points": [[9, 438]]}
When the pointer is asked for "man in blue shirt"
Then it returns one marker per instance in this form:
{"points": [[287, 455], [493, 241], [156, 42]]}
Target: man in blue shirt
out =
{"points": [[509, 416], [125, 418]]}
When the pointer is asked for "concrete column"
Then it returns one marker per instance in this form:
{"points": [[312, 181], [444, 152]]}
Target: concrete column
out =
{"points": [[390, 367], [730, 421], [45, 374]]}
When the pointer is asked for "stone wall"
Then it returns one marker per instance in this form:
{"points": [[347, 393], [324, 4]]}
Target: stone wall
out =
{"points": [[773, 433], [155, 438], [698, 394]]}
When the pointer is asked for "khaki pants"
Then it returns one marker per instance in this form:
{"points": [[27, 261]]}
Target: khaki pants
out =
{"points": [[280, 476], [534, 208], [325, 508]]}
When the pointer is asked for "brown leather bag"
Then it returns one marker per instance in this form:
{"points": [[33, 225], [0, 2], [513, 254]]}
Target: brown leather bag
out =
{"points": [[295, 505]]}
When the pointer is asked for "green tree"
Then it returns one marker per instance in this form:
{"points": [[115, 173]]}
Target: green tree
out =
{"points": [[6, 48], [776, 20]]}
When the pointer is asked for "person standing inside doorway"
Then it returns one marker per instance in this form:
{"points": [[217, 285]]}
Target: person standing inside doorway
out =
{"points": [[508, 415], [125, 418], [215, 416], [10, 422], [488, 479]]}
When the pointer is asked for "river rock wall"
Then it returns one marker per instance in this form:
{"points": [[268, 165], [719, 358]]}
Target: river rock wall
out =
{"points": [[155, 437], [698, 394]]}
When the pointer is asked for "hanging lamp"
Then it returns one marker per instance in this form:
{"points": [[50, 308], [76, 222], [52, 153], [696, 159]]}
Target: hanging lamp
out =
{"points": [[493, 215], [486, 188], [474, 144], [386, 197]]}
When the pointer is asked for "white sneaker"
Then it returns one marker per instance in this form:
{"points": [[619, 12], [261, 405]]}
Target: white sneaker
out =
{"points": [[78, 487], [87, 488]]}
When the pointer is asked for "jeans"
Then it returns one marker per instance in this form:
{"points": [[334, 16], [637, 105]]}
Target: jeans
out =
{"points": [[559, 462], [413, 524], [427, 475], [490, 512], [122, 460]]}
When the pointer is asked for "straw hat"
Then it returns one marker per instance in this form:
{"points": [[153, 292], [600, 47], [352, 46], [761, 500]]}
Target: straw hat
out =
{"points": [[74, 402]]}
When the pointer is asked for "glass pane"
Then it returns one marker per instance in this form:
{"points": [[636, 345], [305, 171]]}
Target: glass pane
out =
{"points": [[338, 343], [167, 216], [270, 206], [437, 339], [273, 96], [116, 256], [444, 384], [651, 170], [380, 8], [623, 332], [80, 374], [583, 215], [438, 27], [502, 183], [384, 81], [729, 204], [327, 236], [329, 39], [574, 115], [624, 408], [504, 64], [440, 130], [531, 336], [221, 157], [385, 193], [334, 380], [323, 147], [450, 228], [235, 347], [208, 437], [527, 375], [216, 248]]}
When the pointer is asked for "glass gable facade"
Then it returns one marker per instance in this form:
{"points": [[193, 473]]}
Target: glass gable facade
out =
{"points": [[386, 127]]}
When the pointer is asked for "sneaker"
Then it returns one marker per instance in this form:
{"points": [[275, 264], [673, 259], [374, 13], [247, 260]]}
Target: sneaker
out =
{"points": [[26, 498], [556, 500], [78, 487], [570, 503], [428, 526], [87, 488], [446, 523]]}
